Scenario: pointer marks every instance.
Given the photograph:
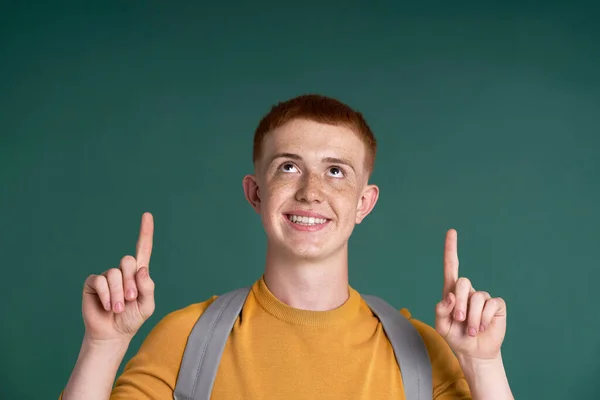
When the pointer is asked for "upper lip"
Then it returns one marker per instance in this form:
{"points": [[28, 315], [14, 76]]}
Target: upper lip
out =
{"points": [[306, 213]]}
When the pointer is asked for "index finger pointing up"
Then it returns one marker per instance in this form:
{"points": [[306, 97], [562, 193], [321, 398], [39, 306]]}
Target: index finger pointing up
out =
{"points": [[144, 243], [450, 261]]}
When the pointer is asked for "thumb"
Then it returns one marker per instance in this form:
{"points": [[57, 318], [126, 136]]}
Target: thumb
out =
{"points": [[443, 313], [145, 286]]}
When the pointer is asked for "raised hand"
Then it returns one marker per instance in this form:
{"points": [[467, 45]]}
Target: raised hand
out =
{"points": [[472, 322], [117, 302]]}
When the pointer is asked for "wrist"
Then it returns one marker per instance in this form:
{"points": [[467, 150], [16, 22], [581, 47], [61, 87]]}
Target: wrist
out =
{"points": [[95, 369], [486, 377], [105, 346], [479, 364]]}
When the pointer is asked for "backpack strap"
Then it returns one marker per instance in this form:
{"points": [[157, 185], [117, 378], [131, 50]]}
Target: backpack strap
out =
{"points": [[205, 346], [210, 334], [409, 348]]}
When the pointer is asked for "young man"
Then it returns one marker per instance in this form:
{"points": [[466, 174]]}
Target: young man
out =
{"points": [[304, 333]]}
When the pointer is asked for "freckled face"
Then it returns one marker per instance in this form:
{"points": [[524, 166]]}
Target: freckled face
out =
{"points": [[311, 188]]}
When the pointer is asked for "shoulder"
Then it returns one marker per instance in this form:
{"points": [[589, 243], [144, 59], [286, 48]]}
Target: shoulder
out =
{"points": [[176, 326], [447, 376], [435, 343], [181, 321], [429, 335], [168, 338], [152, 371]]}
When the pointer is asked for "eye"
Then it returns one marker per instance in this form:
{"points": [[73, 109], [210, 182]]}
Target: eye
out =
{"points": [[288, 167], [336, 172]]}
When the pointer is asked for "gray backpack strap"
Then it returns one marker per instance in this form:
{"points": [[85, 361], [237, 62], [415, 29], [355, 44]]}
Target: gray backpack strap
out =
{"points": [[409, 348], [205, 346]]}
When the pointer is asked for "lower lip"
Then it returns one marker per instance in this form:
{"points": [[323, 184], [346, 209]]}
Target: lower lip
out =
{"points": [[307, 228]]}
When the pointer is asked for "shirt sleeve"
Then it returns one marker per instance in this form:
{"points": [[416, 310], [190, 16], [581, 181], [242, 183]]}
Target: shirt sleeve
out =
{"points": [[449, 382]]}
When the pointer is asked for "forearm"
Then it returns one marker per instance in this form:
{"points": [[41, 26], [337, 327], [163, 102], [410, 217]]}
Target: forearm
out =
{"points": [[486, 378], [94, 373]]}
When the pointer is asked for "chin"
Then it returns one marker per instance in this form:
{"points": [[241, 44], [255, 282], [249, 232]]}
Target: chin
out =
{"points": [[309, 252], [300, 251]]}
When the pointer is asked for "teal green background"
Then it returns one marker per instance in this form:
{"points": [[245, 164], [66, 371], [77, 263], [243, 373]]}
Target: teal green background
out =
{"points": [[487, 117]]}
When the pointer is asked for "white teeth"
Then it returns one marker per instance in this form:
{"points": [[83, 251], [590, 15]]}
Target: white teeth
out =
{"points": [[306, 220]]}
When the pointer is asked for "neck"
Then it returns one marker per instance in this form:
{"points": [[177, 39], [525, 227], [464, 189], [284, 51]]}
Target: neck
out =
{"points": [[307, 284]]}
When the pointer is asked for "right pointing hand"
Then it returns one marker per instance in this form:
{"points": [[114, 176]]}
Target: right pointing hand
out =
{"points": [[117, 302]]}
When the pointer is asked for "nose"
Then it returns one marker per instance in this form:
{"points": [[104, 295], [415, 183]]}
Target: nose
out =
{"points": [[310, 190]]}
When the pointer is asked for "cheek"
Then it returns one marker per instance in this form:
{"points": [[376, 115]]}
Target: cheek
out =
{"points": [[276, 193], [345, 197]]}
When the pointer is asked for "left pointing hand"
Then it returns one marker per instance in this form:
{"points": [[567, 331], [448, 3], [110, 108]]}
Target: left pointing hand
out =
{"points": [[472, 322]]}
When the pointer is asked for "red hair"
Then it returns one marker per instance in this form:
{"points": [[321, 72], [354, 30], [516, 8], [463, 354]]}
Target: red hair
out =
{"points": [[319, 109]]}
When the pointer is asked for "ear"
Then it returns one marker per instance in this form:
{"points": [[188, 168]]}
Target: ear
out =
{"points": [[252, 192], [366, 203]]}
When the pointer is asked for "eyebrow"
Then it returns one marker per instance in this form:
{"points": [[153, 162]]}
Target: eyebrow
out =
{"points": [[329, 160]]}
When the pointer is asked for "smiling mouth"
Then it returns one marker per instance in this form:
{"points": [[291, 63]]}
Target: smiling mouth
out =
{"points": [[306, 221]]}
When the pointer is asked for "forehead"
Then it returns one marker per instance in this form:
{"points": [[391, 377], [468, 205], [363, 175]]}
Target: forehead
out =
{"points": [[315, 139]]}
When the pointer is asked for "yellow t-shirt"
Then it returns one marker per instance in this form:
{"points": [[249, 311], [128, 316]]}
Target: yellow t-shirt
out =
{"points": [[279, 352]]}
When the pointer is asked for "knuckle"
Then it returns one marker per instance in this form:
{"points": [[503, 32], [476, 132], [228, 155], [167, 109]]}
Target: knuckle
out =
{"points": [[99, 282], [90, 280], [148, 286], [440, 311], [499, 301], [114, 277], [91, 283], [480, 296], [127, 261], [113, 274], [439, 308], [94, 281], [465, 281]]}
